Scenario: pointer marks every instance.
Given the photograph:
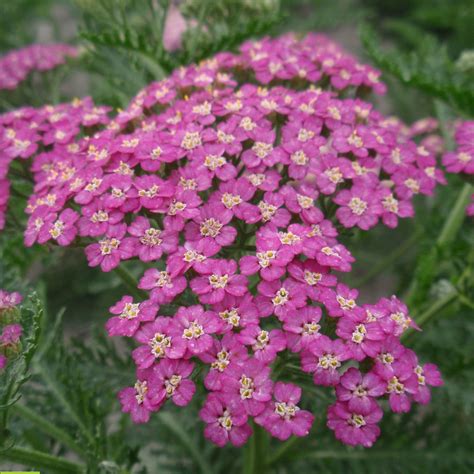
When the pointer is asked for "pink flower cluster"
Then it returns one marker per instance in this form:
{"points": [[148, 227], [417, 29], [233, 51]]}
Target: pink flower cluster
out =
{"points": [[461, 161], [230, 192], [16, 65], [11, 332]]}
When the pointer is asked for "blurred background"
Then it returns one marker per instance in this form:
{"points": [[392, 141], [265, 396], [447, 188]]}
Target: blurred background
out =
{"points": [[425, 49]]}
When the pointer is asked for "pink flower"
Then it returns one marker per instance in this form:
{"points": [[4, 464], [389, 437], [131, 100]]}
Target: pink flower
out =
{"points": [[224, 354], [249, 381], [164, 288], [237, 312], [136, 401], [265, 344], [62, 229], [169, 379], [361, 337], [271, 257], [152, 191], [11, 334], [159, 339], [302, 327], [129, 315], [340, 302], [97, 219], [226, 420], [400, 385], [110, 250], [360, 206], [211, 229], [461, 161], [355, 427], [359, 390], [313, 276], [283, 417], [427, 375], [397, 319], [150, 242], [322, 358], [196, 326], [218, 279], [9, 300], [279, 298]]}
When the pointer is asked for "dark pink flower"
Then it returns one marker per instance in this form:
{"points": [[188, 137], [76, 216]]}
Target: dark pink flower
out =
{"points": [[265, 344], [129, 315], [323, 357], [110, 250], [218, 279], [136, 401], [355, 427], [159, 339], [226, 420], [169, 379], [250, 381], [359, 390], [196, 326], [223, 354], [164, 288], [302, 327], [283, 417]]}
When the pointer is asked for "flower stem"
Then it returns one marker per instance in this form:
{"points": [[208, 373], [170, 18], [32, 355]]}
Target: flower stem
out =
{"points": [[456, 216], [255, 456], [129, 281], [40, 460]]}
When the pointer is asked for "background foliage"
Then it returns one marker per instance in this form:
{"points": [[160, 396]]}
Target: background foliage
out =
{"points": [[66, 407]]}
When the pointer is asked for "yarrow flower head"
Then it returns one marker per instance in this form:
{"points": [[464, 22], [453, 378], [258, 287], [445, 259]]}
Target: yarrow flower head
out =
{"points": [[232, 196]]}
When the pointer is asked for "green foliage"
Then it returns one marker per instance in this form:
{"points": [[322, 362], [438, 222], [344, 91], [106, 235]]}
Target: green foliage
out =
{"points": [[427, 67]]}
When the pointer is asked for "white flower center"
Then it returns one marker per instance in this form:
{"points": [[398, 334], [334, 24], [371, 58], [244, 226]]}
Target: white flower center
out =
{"points": [[286, 410], [210, 227], [193, 331]]}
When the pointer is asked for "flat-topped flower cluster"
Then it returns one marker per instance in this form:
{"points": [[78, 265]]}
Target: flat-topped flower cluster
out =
{"points": [[461, 161], [16, 65], [11, 331], [231, 181]]}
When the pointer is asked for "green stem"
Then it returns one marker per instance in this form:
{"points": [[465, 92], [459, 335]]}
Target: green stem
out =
{"points": [[255, 456], [40, 460], [48, 428], [456, 216], [129, 281]]}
